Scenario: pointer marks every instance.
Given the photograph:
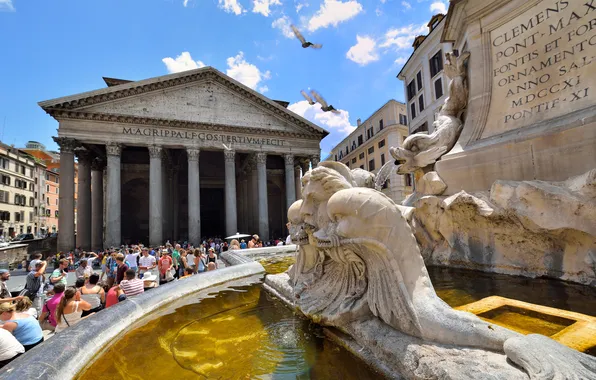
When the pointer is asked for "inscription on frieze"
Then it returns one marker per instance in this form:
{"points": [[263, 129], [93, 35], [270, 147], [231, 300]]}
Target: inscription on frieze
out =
{"points": [[202, 136], [543, 64]]}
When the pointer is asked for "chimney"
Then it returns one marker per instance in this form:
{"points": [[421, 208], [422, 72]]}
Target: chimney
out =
{"points": [[358, 122]]}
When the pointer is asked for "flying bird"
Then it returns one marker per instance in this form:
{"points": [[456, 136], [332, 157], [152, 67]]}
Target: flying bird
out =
{"points": [[307, 97], [324, 105], [305, 44]]}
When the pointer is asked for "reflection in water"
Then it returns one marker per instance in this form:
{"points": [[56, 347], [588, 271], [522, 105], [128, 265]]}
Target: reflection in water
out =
{"points": [[459, 287], [276, 265], [239, 334]]}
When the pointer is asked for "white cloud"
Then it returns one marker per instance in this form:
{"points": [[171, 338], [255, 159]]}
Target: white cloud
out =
{"points": [[246, 73], [332, 12], [364, 52], [283, 23], [182, 62], [438, 7], [406, 5], [401, 60], [185, 3], [337, 124], [402, 38], [231, 6], [263, 89], [299, 6], [6, 6], [262, 6]]}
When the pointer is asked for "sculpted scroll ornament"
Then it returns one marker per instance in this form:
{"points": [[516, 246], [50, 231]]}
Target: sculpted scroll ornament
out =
{"points": [[193, 154], [289, 159], [83, 155], [114, 149], [66, 144], [155, 151], [420, 149], [358, 259], [229, 155], [261, 158]]}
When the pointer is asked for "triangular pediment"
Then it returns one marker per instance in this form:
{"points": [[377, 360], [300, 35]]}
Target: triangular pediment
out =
{"points": [[203, 96]]}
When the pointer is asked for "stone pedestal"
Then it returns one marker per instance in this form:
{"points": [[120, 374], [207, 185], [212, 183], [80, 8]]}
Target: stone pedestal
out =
{"points": [[230, 192], [113, 196], [155, 196], [262, 196], [66, 218], [531, 112], [194, 197], [97, 167], [84, 200]]}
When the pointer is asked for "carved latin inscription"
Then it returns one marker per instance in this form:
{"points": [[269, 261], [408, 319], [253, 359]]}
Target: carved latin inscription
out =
{"points": [[543, 64]]}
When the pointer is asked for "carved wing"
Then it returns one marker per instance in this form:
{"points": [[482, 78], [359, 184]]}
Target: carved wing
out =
{"points": [[316, 46], [319, 98], [298, 34], [383, 174], [307, 97]]}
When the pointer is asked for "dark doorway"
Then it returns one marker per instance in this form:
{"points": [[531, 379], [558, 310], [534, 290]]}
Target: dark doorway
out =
{"points": [[213, 217], [135, 211]]}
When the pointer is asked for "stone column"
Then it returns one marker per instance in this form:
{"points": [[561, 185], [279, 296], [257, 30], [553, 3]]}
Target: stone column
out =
{"points": [[230, 190], [84, 199], [253, 199], [155, 196], [244, 198], [194, 197], [175, 191], [97, 167], [297, 182], [113, 196], [262, 198], [314, 160], [66, 218], [290, 184]]}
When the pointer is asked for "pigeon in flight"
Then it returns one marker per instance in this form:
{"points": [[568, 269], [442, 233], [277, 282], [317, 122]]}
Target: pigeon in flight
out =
{"points": [[305, 44], [324, 105], [307, 97]]}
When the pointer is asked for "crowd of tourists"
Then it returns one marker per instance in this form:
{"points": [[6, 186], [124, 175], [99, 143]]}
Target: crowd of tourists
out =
{"points": [[103, 279]]}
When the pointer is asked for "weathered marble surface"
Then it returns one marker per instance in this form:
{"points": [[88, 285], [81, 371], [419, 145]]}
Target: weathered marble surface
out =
{"points": [[359, 269], [401, 356], [530, 228], [421, 149]]}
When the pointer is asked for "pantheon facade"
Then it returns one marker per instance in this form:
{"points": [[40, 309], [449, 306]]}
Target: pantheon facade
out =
{"points": [[177, 157]]}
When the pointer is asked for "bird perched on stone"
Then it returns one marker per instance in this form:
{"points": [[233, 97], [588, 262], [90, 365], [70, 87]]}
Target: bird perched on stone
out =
{"points": [[324, 106], [307, 97], [305, 44]]}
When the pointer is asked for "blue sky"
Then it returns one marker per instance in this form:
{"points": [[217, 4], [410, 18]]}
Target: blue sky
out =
{"points": [[53, 48]]}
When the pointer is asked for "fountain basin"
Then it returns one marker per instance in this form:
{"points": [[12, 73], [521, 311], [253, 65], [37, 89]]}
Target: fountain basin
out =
{"points": [[79, 345], [574, 330]]}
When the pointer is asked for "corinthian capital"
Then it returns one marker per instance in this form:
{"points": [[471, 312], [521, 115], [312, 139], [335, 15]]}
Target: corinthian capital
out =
{"points": [[114, 149], [66, 144], [261, 158], [83, 155], [314, 160], [229, 155], [193, 154], [289, 159], [155, 151]]}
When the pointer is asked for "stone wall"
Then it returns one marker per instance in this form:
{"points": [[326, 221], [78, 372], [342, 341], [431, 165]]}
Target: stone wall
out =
{"points": [[529, 228]]}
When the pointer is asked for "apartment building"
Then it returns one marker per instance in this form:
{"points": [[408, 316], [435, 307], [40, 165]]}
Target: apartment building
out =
{"points": [[51, 182], [368, 146], [19, 192], [425, 83]]}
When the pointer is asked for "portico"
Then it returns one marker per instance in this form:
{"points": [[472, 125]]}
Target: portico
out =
{"points": [[186, 155]]}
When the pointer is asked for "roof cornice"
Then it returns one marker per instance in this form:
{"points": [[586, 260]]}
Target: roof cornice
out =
{"points": [[149, 121], [86, 99]]}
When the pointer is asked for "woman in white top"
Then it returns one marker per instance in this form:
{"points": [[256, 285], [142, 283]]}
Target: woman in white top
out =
{"points": [[70, 309], [10, 347]]}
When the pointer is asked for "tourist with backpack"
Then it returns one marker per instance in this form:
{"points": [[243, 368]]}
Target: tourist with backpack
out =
{"points": [[34, 285]]}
